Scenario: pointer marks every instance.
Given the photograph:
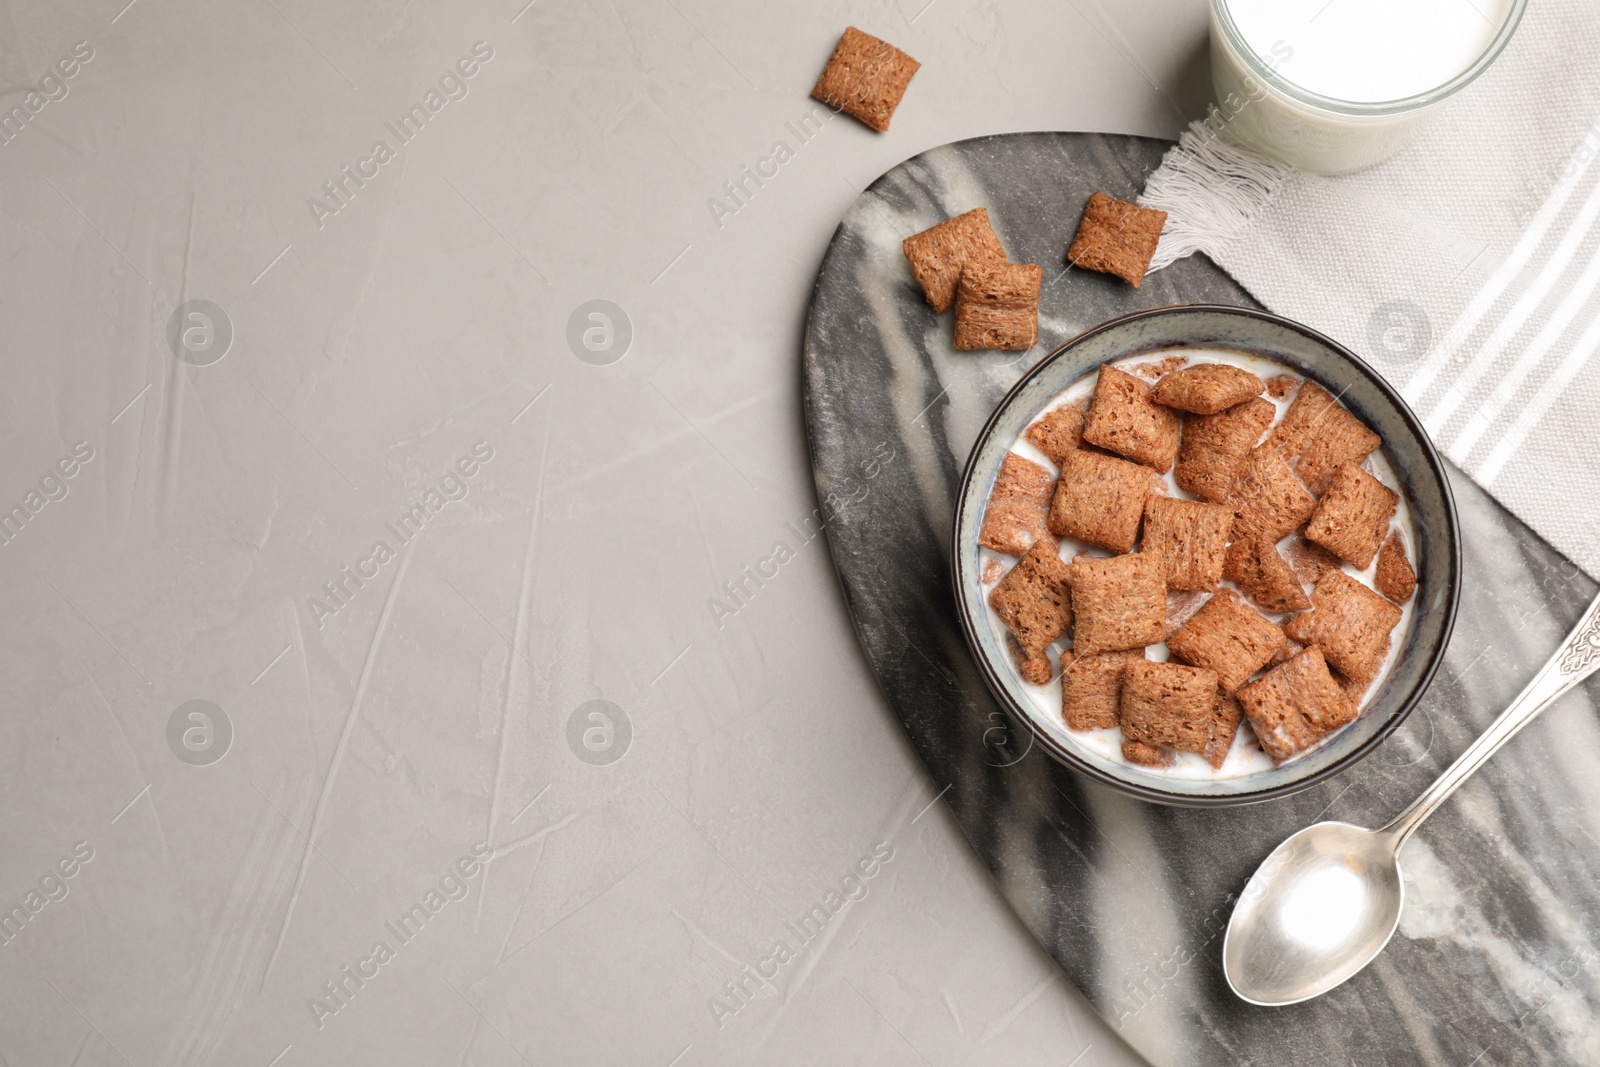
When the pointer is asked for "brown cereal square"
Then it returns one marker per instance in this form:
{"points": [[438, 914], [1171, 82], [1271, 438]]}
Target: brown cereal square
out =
{"points": [[1270, 500], [1190, 537], [1117, 603], [1265, 576], [1349, 622], [1295, 705], [1100, 499], [1034, 599], [1207, 388], [865, 78], [1019, 506], [1168, 704], [1312, 403], [1229, 637], [1395, 577], [1353, 515], [1318, 436], [1059, 431], [1122, 419], [1091, 688], [997, 306], [938, 254], [1145, 755], [1225, 719], [1116, 237], [1213, 446]]}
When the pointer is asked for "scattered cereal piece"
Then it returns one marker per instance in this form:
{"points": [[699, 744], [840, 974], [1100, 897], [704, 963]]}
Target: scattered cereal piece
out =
{"points": [[1225, 719], [1395, 578], [997, 306], [1190, 537], [1207, 388], [1295, 705], [1100, 499], [1034, 600], [1116, 237], [1281, 385], [1265, 576], [1122, 419], [1018, 507], [1349, 622], [1353, 515], [1318, 436], [1270, 500], [1230, 637], [1091, 688], [992, 571], [865, 78], [1060, 431], [1117, 603], [1213, 445], [938, 254], [1137, 752], [1168, 704]]}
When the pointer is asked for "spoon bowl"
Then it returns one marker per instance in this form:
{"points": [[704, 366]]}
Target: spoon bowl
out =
{"points": [[1317, 910]]}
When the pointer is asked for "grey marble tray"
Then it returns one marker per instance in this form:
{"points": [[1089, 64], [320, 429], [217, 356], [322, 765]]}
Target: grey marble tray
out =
{"points": [[1498, 957]]}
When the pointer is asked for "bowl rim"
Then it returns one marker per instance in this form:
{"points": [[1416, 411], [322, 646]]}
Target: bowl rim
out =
{"points": [[1064, 755]]}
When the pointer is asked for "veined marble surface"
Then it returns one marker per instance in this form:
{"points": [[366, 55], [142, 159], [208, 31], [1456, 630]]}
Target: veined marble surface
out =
{"points": [[1498, 956]]}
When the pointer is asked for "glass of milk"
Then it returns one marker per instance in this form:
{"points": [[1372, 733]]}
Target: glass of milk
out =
{"points": [[1333, 86]]}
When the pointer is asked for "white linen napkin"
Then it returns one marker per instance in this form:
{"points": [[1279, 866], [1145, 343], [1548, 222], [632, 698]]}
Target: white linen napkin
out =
{"points": [[1466, 269]]}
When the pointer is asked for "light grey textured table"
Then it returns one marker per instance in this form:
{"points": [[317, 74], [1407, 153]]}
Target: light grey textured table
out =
{"points": [[383, 714]]}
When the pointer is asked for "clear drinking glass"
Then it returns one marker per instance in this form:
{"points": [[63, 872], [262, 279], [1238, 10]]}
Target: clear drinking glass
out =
{"points": [[1320, 133]]}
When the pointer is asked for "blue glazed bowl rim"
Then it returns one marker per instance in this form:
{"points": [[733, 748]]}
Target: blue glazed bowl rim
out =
{"points": [[970, 611]]}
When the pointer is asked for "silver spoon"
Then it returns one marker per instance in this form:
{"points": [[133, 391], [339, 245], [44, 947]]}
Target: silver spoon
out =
{"points": [[1328, 899]]}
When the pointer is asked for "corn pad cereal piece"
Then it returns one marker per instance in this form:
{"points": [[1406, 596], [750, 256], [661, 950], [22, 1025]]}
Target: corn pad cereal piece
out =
{"points": [[1100, 499], [997, 306], [1349, 623], [1207, 388], [1117, 603], [1123, 420], [1116, 237], [1212, 447], [1018, 510], [1190, 537], [1353, 515], [1229, 637], [865, 78], [938, 254]]}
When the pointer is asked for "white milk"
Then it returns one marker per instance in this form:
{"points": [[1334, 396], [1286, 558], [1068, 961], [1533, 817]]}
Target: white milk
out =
{"points": [[1246, 756], [1369, 51], [1365, 56]]}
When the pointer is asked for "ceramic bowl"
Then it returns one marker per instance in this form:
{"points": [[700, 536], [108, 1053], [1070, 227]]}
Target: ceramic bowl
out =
{"points": [[1411, 454]]}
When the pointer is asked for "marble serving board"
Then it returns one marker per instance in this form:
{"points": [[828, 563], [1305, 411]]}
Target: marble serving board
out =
{"points": [[1498, 956]]}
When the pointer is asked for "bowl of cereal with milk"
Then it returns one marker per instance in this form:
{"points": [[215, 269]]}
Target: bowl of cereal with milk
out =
{"points": [[1207, 555]]}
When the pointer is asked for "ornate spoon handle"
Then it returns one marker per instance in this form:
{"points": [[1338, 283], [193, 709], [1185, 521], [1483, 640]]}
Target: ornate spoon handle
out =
{"points": [[1576, 659]]}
